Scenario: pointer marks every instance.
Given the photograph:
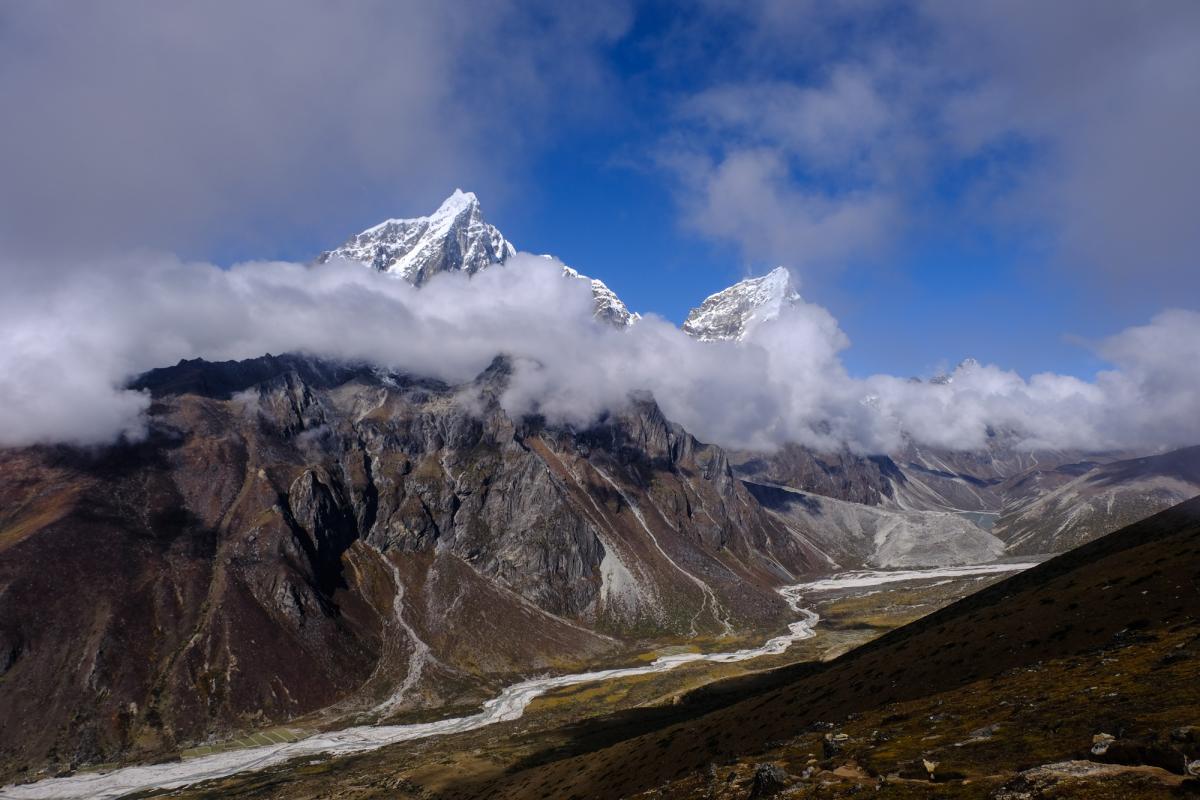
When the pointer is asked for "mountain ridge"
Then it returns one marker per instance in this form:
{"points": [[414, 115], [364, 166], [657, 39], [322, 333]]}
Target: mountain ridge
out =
{"points": [[298, 536]]}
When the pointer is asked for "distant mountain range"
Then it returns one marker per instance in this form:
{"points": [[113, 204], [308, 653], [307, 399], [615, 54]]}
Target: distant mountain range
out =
{"points": [[929, 488]]}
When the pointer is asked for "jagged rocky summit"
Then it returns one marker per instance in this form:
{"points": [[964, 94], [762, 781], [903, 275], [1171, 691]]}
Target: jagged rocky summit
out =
{"points": [[296, 535], [455, 238]]}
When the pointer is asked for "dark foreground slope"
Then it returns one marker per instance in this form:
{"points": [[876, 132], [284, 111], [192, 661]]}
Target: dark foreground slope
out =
{"points": [[1102, 640]]}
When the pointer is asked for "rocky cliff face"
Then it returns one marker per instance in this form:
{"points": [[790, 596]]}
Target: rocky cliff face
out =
{"points": [[853, 534], [296, 536]]}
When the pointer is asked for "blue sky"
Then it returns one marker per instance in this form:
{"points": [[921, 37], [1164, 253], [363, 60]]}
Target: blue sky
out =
{"points": [[914, 312], [980, 285], [1001, 180]]}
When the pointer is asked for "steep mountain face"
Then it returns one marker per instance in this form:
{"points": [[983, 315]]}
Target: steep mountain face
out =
{"points": [[961, 703], [731, 314], [1044, 501], [455, 238], [945, 379], [1074, 504], [1032, 502], [296, 535], [916, 478]]}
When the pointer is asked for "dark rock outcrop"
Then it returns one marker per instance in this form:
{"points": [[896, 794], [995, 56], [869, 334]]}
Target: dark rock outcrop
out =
{"points": [[769, 780]]}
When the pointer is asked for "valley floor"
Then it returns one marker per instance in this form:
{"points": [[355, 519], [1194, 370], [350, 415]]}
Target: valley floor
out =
{"points": [[541, 719]]}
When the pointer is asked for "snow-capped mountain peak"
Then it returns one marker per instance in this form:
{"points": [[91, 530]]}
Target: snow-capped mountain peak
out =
{"points": [[732, 313], [456, 204], [453, 238]]}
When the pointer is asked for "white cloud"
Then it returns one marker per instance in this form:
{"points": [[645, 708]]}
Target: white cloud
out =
{"points": [[1071, 123], [194, 126], [70, 340], [747, 197]]}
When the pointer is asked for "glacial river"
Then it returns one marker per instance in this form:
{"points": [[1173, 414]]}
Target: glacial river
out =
{"points": [[509, 705]]}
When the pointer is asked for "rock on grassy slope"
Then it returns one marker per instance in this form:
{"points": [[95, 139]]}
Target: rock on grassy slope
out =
{"points": [[1018, 677]]}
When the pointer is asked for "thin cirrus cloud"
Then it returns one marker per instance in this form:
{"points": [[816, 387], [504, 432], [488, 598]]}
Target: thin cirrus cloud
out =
{"points": [[65, 382]]}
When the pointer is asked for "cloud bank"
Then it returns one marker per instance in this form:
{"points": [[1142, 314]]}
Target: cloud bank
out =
{"points": [[72, 337]]}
